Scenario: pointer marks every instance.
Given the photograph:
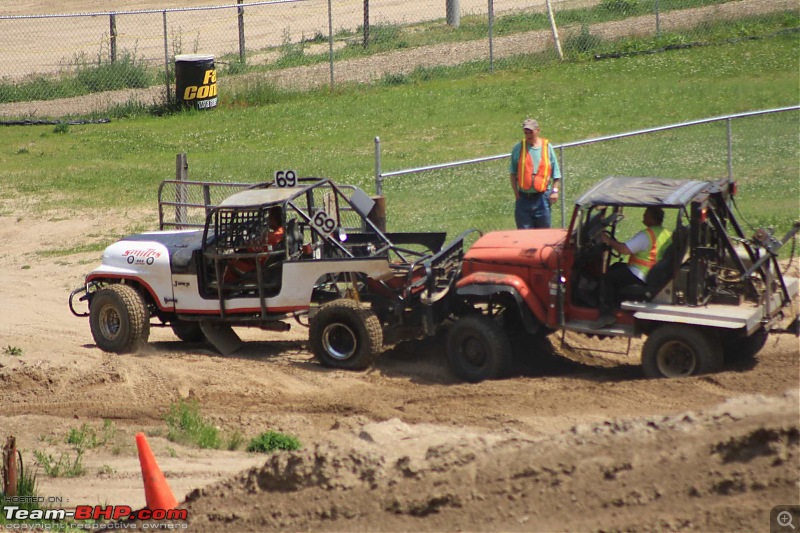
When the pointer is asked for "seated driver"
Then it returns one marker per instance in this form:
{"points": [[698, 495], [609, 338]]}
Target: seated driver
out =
{"points": [[269, 240], [645, 249], [274, 233]]}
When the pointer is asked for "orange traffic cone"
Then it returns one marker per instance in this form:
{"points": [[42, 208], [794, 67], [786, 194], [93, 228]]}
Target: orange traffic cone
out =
{"points": [[156, 489]]}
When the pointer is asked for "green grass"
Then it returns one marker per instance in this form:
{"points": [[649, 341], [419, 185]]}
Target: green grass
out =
{"points": [[185, 425], [64, 466], [12, 350], [26, 486], [441, 115], [272, 440], [82, 77], [87, 437]]}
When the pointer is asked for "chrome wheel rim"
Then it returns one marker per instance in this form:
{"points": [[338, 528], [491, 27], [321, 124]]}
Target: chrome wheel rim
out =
{"points": [[339, 341]]}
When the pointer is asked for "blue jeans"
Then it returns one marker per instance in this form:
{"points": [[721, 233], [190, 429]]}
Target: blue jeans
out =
{"points": [[532, 211]]}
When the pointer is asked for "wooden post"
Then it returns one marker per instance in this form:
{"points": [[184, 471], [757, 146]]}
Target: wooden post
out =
{"points": [[113, 36], [241, 32], [366, 23], [10, 467], [378, 213], [181, 174]]}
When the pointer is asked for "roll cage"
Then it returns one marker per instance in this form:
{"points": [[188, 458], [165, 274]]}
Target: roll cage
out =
{"points": [[722, 261]]}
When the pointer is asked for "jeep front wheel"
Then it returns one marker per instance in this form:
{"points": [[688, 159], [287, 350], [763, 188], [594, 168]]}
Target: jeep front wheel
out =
{"points": [[343, 334], [119, 319], [478, 349], [674, 351]]}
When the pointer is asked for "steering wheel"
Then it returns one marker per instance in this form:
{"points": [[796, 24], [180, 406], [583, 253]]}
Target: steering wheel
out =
{"points": [[594, 231]]}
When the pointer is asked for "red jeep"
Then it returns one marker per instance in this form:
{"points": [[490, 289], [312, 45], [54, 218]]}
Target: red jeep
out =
{"points": [[715, 294]]}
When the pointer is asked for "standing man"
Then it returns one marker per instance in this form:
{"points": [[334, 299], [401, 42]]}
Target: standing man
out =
{"points": [[535, 178]]}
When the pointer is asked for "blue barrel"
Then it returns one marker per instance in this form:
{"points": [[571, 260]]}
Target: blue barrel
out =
{"points": [[196, 81]]}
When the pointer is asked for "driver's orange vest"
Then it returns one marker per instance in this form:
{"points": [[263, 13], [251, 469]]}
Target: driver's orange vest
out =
{"points": [[527, 181], [645, 260]]}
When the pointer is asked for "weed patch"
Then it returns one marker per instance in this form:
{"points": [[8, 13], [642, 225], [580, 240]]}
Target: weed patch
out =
{"points": [[12, 350], [271, 441], [185, 425]]}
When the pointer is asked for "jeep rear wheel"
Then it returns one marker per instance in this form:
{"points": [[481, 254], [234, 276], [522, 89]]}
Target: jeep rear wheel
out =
{"points": [[343, 334], [478, 349], [674, 351], [119, 319]]}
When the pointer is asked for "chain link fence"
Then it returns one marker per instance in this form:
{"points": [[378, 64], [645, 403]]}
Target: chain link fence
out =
{"points": [[88, 62]]}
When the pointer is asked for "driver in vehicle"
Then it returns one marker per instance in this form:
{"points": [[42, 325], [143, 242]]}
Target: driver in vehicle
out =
{"points": [[644, 250], [269, 240]]}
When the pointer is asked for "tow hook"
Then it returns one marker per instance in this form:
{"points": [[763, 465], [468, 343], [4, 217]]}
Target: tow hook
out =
{"points": [[83, 298]]}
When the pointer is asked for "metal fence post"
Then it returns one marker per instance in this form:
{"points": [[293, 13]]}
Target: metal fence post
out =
{"points": [[330, 38], [240, 10], [453, 8], [491, 40], [563, 194], [730, 148], [166, 58], [554, 28], [378, 177], [181, 194]]}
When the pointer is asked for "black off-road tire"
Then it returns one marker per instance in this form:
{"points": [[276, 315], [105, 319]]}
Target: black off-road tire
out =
{"points": [[741, 349], [344, 334], [674, 351], [478, 349], [119, 319], [188, 331]]}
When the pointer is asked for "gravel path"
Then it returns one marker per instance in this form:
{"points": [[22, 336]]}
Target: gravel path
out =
{"points": [[368, 69]]}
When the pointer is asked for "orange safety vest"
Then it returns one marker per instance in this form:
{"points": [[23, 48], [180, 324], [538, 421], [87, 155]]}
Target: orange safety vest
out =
{"points": [[645, 260], [526, 180]]}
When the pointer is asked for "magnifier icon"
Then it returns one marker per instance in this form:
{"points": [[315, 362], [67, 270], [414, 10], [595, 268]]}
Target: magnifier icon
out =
{"points": [[785, 519]]}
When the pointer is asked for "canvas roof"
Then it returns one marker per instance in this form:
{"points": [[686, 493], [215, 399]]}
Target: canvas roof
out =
{"points": [[643, 192]]}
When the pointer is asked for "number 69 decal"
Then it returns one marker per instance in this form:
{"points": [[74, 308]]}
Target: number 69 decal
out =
{"points": [[286, 178], [323, 223]]}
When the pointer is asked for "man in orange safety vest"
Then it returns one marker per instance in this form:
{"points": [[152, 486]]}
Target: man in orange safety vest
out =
{"points": [[535, 178]]}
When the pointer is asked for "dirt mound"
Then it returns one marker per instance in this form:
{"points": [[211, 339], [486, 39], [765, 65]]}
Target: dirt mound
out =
{"points": [[641, 473]]}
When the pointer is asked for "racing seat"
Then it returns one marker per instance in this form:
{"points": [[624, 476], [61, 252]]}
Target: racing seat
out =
{"points": [[661, 273]]}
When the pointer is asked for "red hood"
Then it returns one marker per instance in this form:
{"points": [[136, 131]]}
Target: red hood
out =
{"points": [[533, 247]]}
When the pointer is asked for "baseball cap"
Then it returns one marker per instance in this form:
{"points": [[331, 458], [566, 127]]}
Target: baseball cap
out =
{"points": [[530, 124]]}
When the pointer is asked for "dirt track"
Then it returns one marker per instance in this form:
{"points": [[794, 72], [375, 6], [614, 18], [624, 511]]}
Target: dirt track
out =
{"points": [[576, 439]]}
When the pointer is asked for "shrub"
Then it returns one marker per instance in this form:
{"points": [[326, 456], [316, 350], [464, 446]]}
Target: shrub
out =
{"points": [[186, 426], [271, 441], [583, 42]]}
